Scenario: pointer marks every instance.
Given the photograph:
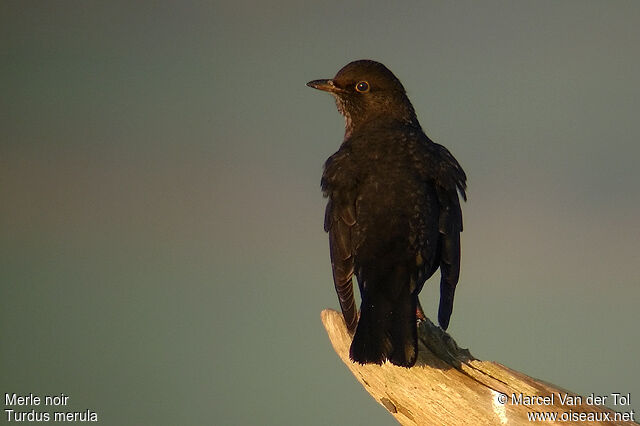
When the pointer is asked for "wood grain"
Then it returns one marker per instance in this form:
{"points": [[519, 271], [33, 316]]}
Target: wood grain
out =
{"points": [[448, 386]]}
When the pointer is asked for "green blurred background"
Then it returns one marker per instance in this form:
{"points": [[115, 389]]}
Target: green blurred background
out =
{"points": [[162, 258]]}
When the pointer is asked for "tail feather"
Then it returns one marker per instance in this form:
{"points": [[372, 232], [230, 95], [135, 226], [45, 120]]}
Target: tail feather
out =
{"points": [[404, 333], [387, 331], [371, 343]]}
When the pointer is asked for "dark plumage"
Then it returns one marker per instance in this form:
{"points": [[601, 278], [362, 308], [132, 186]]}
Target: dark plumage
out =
{"points": [[393, 214]]}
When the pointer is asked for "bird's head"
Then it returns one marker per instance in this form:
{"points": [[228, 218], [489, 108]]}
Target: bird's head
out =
{"points": [[366, 92]]}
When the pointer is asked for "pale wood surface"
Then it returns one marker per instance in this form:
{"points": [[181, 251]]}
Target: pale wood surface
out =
{"points": [[447, 386]]}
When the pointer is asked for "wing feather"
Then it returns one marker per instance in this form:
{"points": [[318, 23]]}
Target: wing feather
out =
{"points": [[341, 251]]}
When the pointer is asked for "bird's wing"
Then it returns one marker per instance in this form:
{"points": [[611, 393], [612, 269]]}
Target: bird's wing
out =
{"points": [[338, 222], [450, 181]]}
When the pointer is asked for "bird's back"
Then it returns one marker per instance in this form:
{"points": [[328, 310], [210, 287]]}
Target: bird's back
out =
{"points": [[382, 174]]}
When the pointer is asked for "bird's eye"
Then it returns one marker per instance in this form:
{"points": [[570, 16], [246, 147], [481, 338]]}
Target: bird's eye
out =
{"points": [[362, 87]]}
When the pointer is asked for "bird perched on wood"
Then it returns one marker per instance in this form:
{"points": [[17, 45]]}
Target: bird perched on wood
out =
{"points": [[393, 213]]}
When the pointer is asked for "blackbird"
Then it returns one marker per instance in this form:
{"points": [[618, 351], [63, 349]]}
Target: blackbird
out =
{"points": [[393, 213]]}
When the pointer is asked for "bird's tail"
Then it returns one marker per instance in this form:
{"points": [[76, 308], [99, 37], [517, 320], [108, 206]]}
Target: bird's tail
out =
{"points": [[386, 330]]}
